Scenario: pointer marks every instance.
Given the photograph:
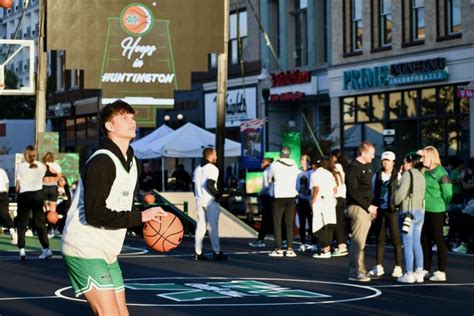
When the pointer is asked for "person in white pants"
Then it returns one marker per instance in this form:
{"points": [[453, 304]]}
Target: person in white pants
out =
{"points": [[207, 206]]}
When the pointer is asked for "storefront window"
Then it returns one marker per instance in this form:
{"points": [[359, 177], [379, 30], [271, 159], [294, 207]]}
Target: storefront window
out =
{"points": [[446, 100], [352, 135], [394, 105], [349, 110], [464, 106], [69, 131], [374, 133], [378, 106], [364, 109], [81, 128], [453, 137], [428, 102], [433, 134], [92, 127], [409, 104]]}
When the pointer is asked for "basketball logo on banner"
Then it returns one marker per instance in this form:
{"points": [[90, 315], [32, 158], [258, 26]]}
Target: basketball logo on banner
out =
{"points": [[136, 19]]}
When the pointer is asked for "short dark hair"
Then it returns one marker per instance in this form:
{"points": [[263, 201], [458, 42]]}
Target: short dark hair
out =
{"points": [[112, 109], [207, 152], [285, 152]]}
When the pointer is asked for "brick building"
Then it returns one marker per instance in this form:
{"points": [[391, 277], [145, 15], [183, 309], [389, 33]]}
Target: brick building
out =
{"points": [[397, 69]]}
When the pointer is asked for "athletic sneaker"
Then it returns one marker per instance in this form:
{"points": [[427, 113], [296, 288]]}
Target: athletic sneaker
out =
{"points": [[438, 276], [419, 276], [22, 254], [219, 256], [302, 248], [460, 249], [322, 255], [257, 243], [340, 252], [397, 272], [47, 253], [290, 253], [29, 233], [359, 278], [426, 274], [14, 236], [276, 253], [377, 271], [406, 278], [434, 248], [51, 234], [199, 257]]}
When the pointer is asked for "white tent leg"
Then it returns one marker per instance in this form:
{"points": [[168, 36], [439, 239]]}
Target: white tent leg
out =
{"points": [[163, 174]]}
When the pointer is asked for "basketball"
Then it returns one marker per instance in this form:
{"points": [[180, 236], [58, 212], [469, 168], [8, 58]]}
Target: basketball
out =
{"points": [[137, 19], [6, 4], [52, 217], [164, 236], [149, 199]]}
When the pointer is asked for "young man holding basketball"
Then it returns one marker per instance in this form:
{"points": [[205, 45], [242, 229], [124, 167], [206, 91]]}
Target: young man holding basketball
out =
{"points": [[207, 205], [101, 212]]}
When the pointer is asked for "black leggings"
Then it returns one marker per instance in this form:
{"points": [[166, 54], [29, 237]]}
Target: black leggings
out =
{"points": [[284, 208], [5, 218], [267, 218], [305, 213], [325, 235], [433, 231], [341, 234], [27, 202], [383, 216]]}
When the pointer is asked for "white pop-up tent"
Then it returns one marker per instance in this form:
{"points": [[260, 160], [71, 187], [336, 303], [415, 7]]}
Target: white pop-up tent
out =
{"points": [[143, 143], [187, 141]]}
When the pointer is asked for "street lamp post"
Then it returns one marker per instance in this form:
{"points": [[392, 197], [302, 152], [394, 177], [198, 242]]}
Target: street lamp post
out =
{"points": [[265, 83]]}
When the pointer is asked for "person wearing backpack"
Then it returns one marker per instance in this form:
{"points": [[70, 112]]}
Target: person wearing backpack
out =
{"points": [[409, 196]]}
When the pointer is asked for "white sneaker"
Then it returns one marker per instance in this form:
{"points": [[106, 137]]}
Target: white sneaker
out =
{"points": [[322, 255], [22, 254], [460, 249], [397, 272], [290, 253], [302, 248], [438, 276], [419, 276], [29, 233], [257, 243], [434, 248], [51, 234], [47, 253], [14, 236], [377, 271], [406, 278], [276, 253]]}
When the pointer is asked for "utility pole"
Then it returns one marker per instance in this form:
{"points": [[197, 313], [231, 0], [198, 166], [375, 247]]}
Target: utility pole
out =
{"points": [[40, 113], [222, 62]]}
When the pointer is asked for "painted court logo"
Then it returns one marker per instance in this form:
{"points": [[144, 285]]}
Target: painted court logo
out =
{"points": [[235, 291], [136, 19]]}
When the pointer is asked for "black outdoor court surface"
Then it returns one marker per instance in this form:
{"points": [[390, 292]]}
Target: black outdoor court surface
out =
{"points": [[250, 283]]}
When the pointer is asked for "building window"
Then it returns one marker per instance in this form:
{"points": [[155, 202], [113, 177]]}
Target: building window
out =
{"points": [[274, 32], [385, 22], [418, 27], [60, 78], [357, 25], [299, 14], [238, 29], [75, 78], [453, 16]]}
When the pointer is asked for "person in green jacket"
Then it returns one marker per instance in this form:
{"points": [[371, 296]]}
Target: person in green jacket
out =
{"points": [[439, 192]]}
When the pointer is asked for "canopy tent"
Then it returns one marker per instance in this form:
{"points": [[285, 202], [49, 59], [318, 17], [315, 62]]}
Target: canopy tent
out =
{"points": [[142, 143], [187, 141]]}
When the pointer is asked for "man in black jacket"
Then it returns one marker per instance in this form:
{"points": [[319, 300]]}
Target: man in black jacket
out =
{"points": [[385, 185], [360, 209]]}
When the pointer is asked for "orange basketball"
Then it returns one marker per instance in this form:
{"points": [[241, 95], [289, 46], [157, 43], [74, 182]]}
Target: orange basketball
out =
{"points": [[164, 236], [149, 198], [52, 217], [6, 4], [137, 19]]}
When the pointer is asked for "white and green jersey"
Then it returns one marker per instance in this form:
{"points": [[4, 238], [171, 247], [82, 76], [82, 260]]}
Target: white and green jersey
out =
{"points": [[86, 241]]}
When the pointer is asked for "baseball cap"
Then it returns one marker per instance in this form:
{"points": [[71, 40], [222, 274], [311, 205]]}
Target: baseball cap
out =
{"points": [[388, 155]]}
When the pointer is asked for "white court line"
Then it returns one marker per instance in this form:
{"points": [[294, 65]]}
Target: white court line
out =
{"points": [[423, 284], [26, 298]]}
